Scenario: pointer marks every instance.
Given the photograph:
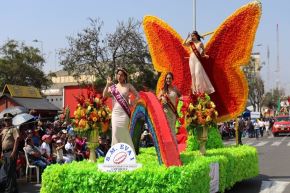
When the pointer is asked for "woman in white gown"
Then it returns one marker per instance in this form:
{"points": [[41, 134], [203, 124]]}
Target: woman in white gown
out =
{"points": [[168, 97], [121, 107], [200, 80]]}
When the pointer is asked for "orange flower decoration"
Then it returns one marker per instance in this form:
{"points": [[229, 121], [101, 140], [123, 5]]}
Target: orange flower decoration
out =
{"points": [[229, 48], [91, 114]]}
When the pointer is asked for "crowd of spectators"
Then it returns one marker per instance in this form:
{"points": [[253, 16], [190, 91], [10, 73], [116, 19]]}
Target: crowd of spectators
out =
{"points": [[253, 128], [48, 143]]}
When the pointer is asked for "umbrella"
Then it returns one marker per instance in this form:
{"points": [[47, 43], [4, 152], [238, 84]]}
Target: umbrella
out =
{"points": [[14, 111], [21, 118], [246, 113]]}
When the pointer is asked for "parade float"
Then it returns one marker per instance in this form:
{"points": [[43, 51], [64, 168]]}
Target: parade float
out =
{"points": [[164, 167]]}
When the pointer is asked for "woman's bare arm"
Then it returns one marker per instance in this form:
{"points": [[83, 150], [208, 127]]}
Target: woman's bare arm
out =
{"points": [[202, 52], [187, 41], [135, 92], [160, 94], [177, 92], [107, 91]]}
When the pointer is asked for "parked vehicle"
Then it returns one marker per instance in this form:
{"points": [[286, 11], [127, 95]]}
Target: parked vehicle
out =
{"points": [[281, 125]]}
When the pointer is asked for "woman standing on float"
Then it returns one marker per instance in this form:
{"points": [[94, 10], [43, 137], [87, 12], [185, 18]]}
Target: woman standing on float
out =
{"points": [[200, 81], [121, 106], [168, 97]]}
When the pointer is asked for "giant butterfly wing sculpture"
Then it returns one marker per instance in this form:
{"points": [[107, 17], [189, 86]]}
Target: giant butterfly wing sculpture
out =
{"points": [[229, 49]]}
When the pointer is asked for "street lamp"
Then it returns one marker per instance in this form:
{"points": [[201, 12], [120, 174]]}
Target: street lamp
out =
{"points": [[41, 44]]}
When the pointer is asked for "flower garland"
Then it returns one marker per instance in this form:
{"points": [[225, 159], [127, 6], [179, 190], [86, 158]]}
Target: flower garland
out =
{"points": [[91, 114]]}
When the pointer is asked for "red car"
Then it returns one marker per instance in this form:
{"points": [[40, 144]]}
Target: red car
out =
{"points": [[281, 125]]}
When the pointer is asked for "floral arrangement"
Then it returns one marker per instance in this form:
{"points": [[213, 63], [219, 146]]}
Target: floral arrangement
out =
{"points": [[224, 65], [65, 116], [91, 114], [200, 111]]}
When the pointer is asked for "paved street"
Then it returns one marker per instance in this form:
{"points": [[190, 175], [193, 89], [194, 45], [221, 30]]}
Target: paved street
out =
{"points": [[274, 158], [27, 187], [274, 155]]}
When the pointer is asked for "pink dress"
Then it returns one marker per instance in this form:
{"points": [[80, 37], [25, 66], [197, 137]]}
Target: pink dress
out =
{"points": [[200, 81]]}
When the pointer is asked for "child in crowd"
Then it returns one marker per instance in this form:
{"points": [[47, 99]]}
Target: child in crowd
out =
{"points": [[60, 158]]}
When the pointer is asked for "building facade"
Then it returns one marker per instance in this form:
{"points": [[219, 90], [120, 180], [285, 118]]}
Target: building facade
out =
{"points": [[29, 98], [55, 93]]}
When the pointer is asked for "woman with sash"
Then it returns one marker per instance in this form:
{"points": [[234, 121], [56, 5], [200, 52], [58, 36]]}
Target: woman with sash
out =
{"points": [[200, 80], [168, 97], [121, 112]]}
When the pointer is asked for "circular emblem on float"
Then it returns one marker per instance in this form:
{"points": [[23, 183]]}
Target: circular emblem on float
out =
{"points": [[119, 157], [120, 153]]}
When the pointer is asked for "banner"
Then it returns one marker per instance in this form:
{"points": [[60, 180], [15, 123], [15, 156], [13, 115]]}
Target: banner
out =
{"points": [[214, 178]]}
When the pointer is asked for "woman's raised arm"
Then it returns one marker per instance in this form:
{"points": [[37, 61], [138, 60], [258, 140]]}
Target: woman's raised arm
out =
{"points": [[106, 91]]}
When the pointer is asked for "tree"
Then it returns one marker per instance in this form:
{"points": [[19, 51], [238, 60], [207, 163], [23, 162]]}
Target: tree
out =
{"points": [[277, 93], [256, 93], [21, 65], [269, 100], [100, 55], [273, 98], [256, 85]]}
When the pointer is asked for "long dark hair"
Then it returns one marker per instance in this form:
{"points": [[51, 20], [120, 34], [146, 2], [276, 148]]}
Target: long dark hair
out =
{"points": [[166, 87], [197, 35]]}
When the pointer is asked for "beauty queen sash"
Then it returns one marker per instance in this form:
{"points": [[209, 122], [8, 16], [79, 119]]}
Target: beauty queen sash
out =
{"points": [[171, 105], [196, 52], [120, 99]]}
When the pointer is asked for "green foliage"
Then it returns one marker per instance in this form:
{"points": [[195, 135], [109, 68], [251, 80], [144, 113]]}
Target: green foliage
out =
{"points": [[235, 164], [191, 143], [214, 139], [21, 65], [91, 52], [271, 98]]}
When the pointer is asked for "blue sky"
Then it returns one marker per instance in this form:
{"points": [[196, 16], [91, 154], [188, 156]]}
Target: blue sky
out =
{"points": [[51, 21]]}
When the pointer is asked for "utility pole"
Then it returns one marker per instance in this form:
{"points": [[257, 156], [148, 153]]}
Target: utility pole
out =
{"points": [[278, 62], [194, 15], [55, 58], [268, 68]]}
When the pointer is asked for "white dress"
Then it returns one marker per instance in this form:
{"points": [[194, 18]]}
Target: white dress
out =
{"points": [[200, 80], [120, 122]]}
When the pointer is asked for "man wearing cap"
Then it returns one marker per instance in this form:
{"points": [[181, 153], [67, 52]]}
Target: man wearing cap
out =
{"points": [[45, 147], [34, 155], [9, 145]]}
